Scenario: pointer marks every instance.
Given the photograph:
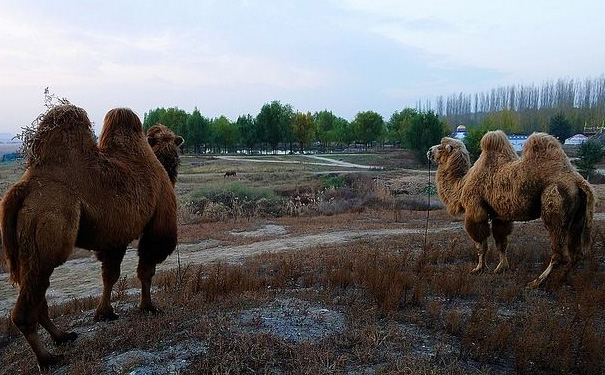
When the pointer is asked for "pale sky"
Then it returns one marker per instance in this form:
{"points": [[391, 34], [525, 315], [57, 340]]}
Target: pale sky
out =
{"points": [[231, 57]]}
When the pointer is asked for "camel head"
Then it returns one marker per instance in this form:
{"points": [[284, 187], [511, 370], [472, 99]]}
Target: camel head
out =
{"points": [[449, 150], [165, 145]]}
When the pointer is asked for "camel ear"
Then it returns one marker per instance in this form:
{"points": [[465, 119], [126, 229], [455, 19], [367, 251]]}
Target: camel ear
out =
{"points": [[151, 141], [179, 140], [449, 148]]}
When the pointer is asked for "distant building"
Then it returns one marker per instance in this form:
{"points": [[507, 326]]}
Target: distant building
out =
{"points": [[460, 132], [517, 140], [577, 139]]}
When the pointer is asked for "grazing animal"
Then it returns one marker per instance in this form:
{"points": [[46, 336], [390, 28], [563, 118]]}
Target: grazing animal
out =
{"points": [[501, 188], [230, 173], [75, 193]]}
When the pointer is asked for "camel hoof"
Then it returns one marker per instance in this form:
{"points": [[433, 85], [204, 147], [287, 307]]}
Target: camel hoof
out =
{"points": [[534, 284], [150, 310], [44, 364], [66, 338], [106, 316], [477, 270]]}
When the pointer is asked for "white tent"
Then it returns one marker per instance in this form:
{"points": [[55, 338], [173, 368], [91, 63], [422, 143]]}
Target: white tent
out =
{"points": [[577, 139]]}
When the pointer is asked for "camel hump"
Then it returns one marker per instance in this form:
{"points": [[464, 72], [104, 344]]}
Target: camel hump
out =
{"points": [[542, 145], [64, 128], [496, 140], [10, 207]]}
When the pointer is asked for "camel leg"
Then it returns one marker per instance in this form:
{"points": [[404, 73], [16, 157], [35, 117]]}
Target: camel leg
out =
{"points": [[479, 232], [501, 230], [25, 315], [156, 243], [111, 260], [554, 214], [59, 336], [554, 263]]}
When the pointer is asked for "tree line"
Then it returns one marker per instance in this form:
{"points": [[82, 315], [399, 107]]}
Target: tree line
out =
{"points": [[563, 107], [279, 127], [525, 109]]}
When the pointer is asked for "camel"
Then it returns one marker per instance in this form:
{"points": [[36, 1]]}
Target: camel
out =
{"points": [[75, 193], [165, 145], [502, 188]]}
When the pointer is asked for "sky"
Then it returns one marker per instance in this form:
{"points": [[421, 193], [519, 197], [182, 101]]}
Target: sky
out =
{"points": [[230, 57]]}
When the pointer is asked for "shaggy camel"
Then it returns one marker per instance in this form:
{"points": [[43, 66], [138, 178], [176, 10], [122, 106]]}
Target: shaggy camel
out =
{"points": [[165, 145], [74, 193], [501, 187]]}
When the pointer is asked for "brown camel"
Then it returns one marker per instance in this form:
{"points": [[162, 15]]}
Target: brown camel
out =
{"points": [[74, 193], [501, 188], [165, 145]]}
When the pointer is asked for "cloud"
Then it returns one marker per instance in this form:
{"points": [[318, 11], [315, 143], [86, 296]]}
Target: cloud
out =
{"points": [[521, 39]]}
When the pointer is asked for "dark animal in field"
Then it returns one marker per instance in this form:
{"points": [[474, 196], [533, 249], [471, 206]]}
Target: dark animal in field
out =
{"points": [[75, 193], [501, 188], [230, 174]]}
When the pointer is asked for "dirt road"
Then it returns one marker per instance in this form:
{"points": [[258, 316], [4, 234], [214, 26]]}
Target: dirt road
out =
{"points": [[82, 277]]}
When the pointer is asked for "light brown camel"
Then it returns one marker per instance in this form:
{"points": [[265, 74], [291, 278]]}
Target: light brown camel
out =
{"points": [[74, 193], [501, 188]]}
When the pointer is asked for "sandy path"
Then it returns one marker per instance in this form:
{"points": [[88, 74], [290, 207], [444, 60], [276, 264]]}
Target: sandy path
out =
{"points": [[82, 277]]}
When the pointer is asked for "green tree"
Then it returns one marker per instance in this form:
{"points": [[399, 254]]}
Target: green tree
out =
{"points": [[152, 118], [303, 129], [560, 127], [397, 124], [247, 130], [590, 153], [368, 127], [273, 123], [226, 133], [326, 127], [344, 131], [425, 130], [174, 118], [197, 131]]}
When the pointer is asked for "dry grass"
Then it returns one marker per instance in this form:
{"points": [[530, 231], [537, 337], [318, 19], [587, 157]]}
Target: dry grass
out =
{"points": [[387, 306]]}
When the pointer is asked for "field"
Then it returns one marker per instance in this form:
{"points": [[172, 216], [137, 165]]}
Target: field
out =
{"points": [[300, 265]]}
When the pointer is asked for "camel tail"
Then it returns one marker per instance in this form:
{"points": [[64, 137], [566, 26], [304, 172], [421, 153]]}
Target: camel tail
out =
{"points": [[589, 201], [10, 207]]}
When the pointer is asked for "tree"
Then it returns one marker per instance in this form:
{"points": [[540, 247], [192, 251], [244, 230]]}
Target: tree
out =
{"points": [[273, 123], [303, 128], [197, 131], [559, 127], [225, 133], [590, 153], [247, 131], [425, 130], [174, 118], [326, 127], [152, 117], [397, 124], [368, 127], [344, 132]]}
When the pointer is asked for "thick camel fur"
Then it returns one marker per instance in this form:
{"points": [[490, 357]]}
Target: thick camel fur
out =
{"points": [[75, 193], [165, 145], [501, 188]]}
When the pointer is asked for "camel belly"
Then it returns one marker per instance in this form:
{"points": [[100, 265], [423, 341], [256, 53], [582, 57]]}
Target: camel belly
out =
{"points": [[111, 230]]}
